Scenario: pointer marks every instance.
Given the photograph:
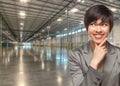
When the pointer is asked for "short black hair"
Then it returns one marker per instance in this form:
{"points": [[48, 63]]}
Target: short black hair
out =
{"points": [[98, 12]]}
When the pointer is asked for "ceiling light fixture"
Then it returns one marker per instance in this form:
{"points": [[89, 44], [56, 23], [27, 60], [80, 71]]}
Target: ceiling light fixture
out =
{"points": [[21, 23], [48, 27], [59, 19], [22, 14], [43, 30], [65, 29], [66, 11], [24, 1], [73, 10], [81, 1], [114, 9]]}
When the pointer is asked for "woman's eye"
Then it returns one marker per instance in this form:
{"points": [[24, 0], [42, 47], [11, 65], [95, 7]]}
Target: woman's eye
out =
{"points": [[92, 24], [103, 24]]}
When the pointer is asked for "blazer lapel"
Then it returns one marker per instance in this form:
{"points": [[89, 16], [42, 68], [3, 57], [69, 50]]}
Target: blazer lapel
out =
{"points": [[88, 54], [111, 58]]}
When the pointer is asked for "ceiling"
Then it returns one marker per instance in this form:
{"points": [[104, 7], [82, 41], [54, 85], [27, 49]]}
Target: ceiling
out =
{"points": [[42, 18]]}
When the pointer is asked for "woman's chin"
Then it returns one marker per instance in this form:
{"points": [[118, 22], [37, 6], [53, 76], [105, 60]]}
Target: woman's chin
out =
{"points": [[97, 42]]}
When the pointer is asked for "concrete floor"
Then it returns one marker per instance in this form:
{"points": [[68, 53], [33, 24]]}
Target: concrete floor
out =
{"points": [[34, 66]]}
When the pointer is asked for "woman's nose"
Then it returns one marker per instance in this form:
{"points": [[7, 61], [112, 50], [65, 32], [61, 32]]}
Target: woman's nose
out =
{"points": [[98, 28]]}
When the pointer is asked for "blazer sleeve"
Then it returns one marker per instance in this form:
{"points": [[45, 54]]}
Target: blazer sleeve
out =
{"points": [[91, 78]]}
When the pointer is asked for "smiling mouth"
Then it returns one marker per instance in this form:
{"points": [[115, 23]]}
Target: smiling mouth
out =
{"points": [[98, 36]]}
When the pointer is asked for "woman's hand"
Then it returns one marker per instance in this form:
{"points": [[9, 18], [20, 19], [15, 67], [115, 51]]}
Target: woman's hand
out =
{"points": [[98, 54]]}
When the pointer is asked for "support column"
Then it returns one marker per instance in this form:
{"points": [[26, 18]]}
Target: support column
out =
{"points": [[0, 29]]}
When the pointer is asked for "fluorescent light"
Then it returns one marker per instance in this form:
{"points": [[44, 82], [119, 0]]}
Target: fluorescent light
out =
{"points": [[114, 9], [65, 29], [74, 10], [66, 11], [22, 14], [49, 38], [24, 1], [59, 19], [81, 1], [79, 30], [43, 30], [21, 23], [48, 27], [83, 29]]}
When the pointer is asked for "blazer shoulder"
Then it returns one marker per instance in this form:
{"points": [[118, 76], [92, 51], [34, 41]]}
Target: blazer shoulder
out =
{"points": [[117, 51], [116, 47], [76, 51], [81, 47]]}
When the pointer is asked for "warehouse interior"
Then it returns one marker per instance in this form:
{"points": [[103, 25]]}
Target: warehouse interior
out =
{"points": [[36, 36]]}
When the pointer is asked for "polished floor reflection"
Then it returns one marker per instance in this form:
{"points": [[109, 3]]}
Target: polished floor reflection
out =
{"points": [[34, 66]]}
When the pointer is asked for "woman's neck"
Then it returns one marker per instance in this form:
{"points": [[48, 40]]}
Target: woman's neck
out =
{"points": [[93, 45]]}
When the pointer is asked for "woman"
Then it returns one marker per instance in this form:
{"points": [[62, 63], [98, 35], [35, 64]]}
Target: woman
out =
{"points": [[96, 63]]}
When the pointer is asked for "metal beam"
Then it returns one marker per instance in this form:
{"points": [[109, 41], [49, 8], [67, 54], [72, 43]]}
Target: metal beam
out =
{"points": [[26, 7], [108, 3], [19, 30], [9, 28], [49, 21]]}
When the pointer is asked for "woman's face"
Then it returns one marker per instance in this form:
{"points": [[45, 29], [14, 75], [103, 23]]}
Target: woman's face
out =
{"points": [[98, 31]]}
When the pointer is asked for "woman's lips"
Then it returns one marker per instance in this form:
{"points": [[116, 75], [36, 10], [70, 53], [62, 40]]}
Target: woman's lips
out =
{"points": [[98, 36]]}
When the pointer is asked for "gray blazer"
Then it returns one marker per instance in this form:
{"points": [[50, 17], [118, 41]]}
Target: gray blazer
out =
{"points": [[85, 75]]}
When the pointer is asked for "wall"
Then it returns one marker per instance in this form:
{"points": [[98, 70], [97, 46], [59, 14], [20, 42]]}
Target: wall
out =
{"points": [[116, 33]]}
